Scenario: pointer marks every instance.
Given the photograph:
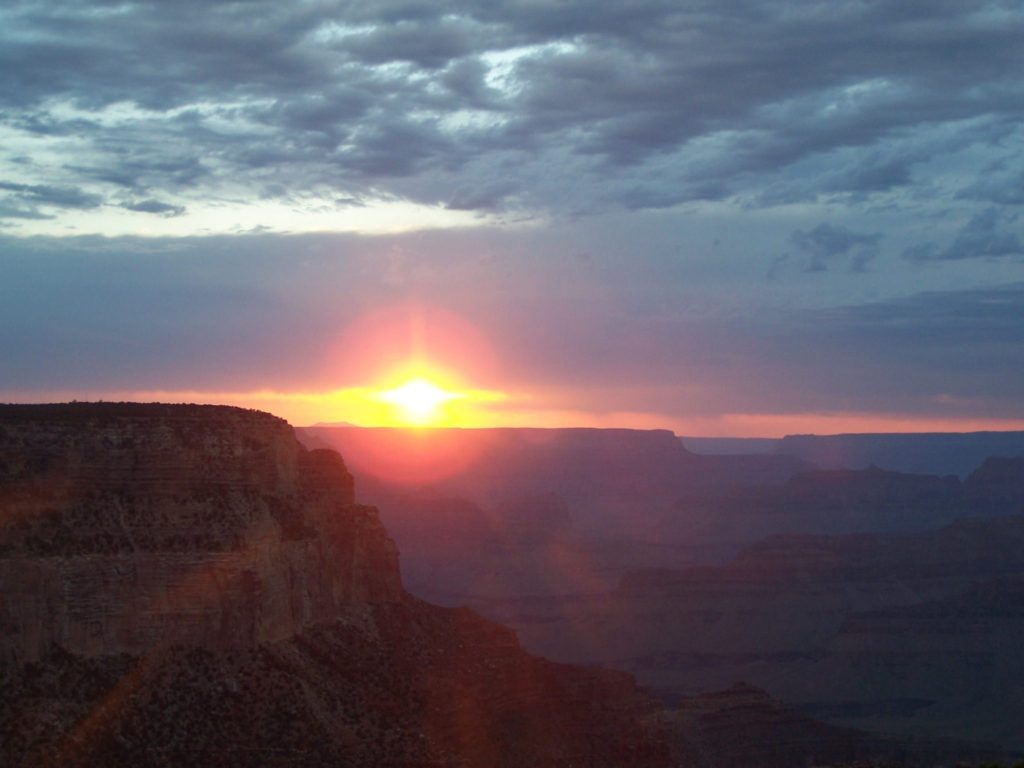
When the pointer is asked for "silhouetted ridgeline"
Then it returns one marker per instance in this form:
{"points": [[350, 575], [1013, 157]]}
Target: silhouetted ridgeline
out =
{"points": [[927, 453]]}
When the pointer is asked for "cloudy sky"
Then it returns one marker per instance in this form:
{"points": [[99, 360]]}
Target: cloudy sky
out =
{"points": [[748, 217]]}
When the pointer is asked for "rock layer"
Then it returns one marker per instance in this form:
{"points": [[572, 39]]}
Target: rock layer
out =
{"points": [[189, 586], [129, 526]]}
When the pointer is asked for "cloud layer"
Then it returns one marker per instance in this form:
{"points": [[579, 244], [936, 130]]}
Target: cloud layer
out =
{"points": [[582, 107], [698, 207]]}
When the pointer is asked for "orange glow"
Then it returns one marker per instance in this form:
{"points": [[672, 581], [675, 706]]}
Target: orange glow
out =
{"points": [[419, 401], [409, 456], [387, 347], [476, 408]]}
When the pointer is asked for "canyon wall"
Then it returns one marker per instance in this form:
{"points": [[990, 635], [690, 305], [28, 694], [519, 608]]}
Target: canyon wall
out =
{"points": [[187, 585], [129, 526]]}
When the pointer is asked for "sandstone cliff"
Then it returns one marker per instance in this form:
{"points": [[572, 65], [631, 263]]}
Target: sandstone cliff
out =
{"points": [[187, 585], [125, 526]]}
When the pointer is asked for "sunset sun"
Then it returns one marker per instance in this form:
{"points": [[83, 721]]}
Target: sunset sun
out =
{"points": [[418, 400]]}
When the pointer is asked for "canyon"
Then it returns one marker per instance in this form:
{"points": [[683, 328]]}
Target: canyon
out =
{"points": [[193, 585], [722, 575], [563, 511]]}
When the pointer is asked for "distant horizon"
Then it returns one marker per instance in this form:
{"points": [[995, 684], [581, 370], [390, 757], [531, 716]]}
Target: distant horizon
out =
{"points": [[682, 436], [970, 427]]}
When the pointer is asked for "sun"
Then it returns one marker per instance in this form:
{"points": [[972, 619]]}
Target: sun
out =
{"points": [[418, 400]]}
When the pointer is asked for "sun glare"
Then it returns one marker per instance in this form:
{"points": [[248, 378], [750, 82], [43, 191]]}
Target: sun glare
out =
{"points": [[418, 400]]}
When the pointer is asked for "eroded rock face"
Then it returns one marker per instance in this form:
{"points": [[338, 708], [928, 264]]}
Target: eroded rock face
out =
{"points": [[406, 684], [188, 586], [126, 526]]}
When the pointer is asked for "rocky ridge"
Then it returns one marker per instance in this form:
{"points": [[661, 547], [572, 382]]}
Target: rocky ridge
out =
{"points": [[189, 585], [127, 526]]}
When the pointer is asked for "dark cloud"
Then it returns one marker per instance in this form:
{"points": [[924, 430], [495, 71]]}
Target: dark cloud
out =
{"points": [[648, 103], [989, 234], [490, 197], [964, 343], [969, 318], [899, 355], [89, 313], [154, 206], [876, 173], [997, 184], [427, 43], [127, 166], [820, 248], [47, 195]]}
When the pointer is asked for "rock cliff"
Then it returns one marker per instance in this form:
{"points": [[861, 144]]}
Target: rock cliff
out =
{"points": [[127, 526], [187, 585]]}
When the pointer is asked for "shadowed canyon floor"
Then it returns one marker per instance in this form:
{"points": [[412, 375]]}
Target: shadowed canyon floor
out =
{"points": [[735, 567]]}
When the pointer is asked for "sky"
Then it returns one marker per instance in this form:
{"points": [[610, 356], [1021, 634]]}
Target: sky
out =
{"points": [[722, 218]]}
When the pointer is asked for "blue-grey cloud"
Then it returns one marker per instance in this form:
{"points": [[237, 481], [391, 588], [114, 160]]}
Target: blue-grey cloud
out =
{"points": [[47, 195], [16, 211], [827, 242], [989, 234], [154, 206], [649, 104], [820, 248]]}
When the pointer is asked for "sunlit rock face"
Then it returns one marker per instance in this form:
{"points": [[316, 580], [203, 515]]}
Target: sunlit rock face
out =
{"points": [[125, 527]]}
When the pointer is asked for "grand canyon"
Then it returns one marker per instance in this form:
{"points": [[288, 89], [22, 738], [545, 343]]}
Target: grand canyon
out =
{"points": [[192, 585], [518, 384]]}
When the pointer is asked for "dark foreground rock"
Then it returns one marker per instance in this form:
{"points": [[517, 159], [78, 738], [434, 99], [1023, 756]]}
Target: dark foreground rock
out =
{"points": [[187, 585], [405, 684]]}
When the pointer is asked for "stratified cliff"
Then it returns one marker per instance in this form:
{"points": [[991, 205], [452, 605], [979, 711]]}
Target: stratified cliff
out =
{"points": [[187, 585], [126, 526]]}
